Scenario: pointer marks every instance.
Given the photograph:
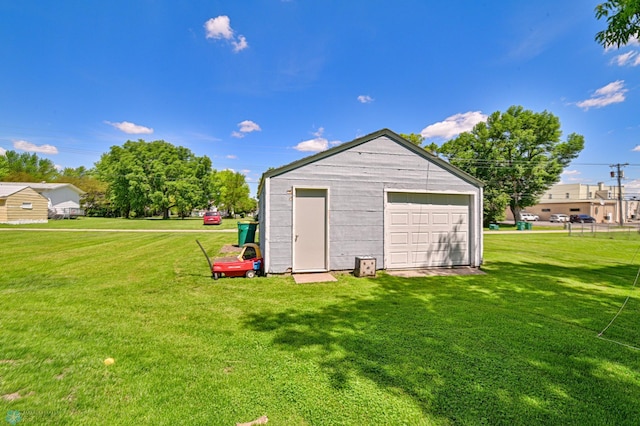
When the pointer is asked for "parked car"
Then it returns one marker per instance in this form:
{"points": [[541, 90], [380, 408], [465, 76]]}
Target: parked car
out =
{"points": [[212, 218], [529, 217], [559, 217], [581, 218]]}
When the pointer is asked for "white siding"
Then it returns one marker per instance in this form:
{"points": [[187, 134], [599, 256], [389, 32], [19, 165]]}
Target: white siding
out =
{"points": [[358, 179], [62, 198]]}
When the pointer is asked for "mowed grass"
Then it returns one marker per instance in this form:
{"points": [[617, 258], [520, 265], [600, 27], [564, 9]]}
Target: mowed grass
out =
{"points": [[152, 223], [518, 345]]}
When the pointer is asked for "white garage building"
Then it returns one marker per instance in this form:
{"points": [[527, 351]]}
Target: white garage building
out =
{"points": [[379, 196]]}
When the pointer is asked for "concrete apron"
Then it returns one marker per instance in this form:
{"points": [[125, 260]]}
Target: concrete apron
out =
{"points": [[313, 277], [436, 272]]}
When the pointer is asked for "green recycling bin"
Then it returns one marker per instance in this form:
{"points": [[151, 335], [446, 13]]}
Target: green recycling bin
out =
{"points": [[494, 226], [246, 232], [528, 226], [520, 226]]}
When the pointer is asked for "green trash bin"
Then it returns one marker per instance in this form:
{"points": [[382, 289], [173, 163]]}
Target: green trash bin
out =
{"points": [[494, 226], [520, 226], [246, 232], [528, 226]]}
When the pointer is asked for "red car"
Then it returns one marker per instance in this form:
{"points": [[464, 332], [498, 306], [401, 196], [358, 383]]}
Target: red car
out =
{"points": [[212, 218]]}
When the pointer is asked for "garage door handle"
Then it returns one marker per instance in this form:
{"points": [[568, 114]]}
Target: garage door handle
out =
{"points": [[296, 240]]}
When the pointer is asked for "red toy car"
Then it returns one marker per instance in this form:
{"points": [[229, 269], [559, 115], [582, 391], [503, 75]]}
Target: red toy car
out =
{"points": [[212, 218], [248, 263]]}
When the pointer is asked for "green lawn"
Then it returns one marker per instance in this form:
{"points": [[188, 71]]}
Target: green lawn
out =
{"points": [[154, 223], [518, 345]]}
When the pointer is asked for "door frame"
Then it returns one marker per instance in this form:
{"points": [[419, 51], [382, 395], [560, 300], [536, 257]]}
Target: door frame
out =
{"points": [[295, 190], [475, 245]]}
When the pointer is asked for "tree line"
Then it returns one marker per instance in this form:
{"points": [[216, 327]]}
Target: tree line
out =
{"points": [[140, 179], [518, 154]]}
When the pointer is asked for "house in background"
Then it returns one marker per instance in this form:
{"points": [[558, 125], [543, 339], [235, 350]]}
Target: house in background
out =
{"points": [[21, 204], [64, 198], [599, 201], [380, 197]]}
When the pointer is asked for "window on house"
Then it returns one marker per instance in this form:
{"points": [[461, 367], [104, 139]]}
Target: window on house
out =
{"points": [[546, 210], [566, 195], [574, 210], [550, 196], [590, 195], [27, 206]]}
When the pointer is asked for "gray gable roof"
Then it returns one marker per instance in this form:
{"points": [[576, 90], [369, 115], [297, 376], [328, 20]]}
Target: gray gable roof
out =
{"points": [[6, 190], [348, 145], [43, 186]]}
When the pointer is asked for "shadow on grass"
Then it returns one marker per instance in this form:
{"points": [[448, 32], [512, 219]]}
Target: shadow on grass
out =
{"points": [[495, 349]]}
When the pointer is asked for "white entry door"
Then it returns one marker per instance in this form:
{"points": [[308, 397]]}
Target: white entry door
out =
{"points": [[310, 230], [426, 230]]}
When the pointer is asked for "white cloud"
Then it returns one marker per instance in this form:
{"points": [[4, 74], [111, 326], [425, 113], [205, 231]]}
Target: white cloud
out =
{"points": [[2, 151], [231, 157], [241, 44], [317, 144], [630, 58], [633, 41], [612, 93], [570, 176], [313, 145], [29, 147], [365, 99], [636, 148], [453, 125], [632, 186], [246, 126], [220, 28], [131, 128]]}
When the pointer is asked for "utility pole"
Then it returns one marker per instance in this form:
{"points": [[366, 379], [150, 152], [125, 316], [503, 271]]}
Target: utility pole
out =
{"points": [[620, 174]]}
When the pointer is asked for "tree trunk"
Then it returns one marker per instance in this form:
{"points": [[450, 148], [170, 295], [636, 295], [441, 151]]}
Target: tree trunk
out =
{"points": [[516, 214]]}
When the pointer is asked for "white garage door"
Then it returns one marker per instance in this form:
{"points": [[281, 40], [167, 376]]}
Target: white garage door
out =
{"points": [[426, 230]]}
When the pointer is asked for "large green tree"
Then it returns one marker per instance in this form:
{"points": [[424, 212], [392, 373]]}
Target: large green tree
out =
{"points": [[623, 22], [26, 167], [154, 177], [231, 192], [518, 154]]}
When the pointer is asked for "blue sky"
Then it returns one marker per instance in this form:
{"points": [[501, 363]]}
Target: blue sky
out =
{"points": [[259, 84]]}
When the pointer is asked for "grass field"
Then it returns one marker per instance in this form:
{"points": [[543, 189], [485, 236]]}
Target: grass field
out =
{"points": [[518, 345], [154, 223]]}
